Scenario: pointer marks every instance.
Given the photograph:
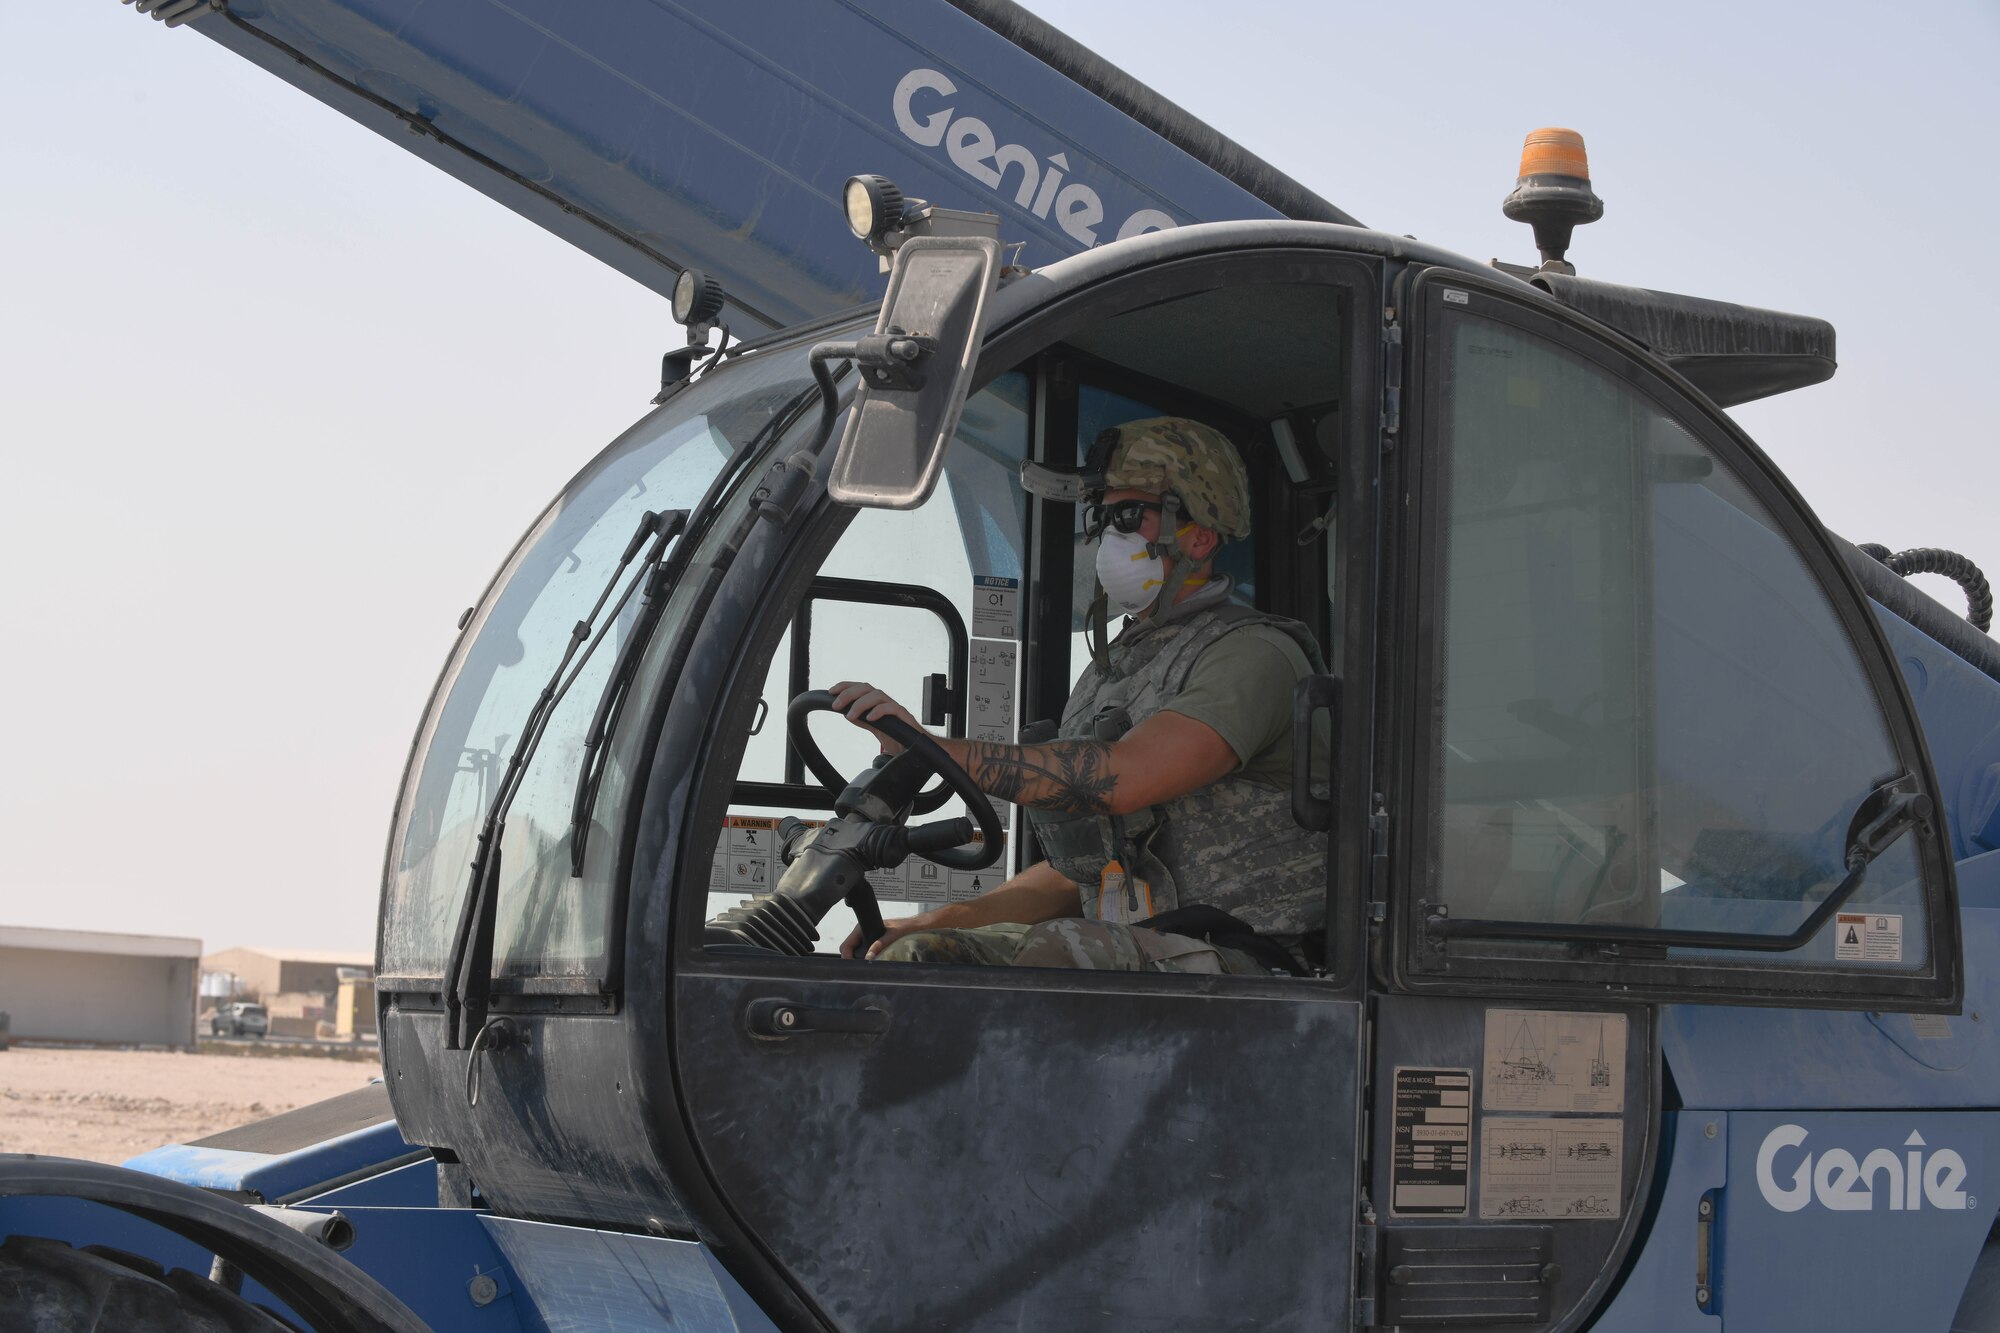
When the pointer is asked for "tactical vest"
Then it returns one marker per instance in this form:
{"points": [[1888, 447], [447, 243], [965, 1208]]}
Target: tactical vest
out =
{"points": [[1232, 844]]}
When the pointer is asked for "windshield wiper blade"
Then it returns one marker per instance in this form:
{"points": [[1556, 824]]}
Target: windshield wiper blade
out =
{"points": [[590, 774], [469, 967], [1884, 815]]}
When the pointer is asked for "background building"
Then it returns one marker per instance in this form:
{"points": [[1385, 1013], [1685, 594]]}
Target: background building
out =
{"points": [[96, 987], [299, 987], [262, 973]]}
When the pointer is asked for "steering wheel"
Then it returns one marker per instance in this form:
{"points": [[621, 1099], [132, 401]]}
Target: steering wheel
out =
{"points": [[922, 746]]}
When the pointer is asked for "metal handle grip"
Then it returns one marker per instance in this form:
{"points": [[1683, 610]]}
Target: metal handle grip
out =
{"points": [[1310, 696], [785, 1018]]}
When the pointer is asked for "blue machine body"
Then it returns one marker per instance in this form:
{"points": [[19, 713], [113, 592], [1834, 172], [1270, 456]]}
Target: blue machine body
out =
{"points": [[658, 135], [661, 134]]}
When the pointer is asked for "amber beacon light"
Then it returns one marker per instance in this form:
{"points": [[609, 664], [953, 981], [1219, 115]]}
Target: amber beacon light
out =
{"points": [[1553, 193]]}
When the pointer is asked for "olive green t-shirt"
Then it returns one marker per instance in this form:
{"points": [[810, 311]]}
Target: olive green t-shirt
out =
{"points": [[1241, 685]]}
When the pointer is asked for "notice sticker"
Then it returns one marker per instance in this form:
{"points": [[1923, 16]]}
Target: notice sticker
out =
{"points": [[1431, 1157], [1867, 937], [996, 607]]}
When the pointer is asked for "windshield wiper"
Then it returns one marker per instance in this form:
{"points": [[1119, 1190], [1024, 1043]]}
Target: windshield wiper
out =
{"points": [[590, 774], [469, 967], [1885, 814]]}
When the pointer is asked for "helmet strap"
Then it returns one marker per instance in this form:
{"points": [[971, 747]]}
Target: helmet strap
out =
{"points": [[1097, 631], [1170, 590]]}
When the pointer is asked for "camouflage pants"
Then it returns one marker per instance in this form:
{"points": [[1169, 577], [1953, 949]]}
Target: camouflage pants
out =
{"points": [[1102, 946]]}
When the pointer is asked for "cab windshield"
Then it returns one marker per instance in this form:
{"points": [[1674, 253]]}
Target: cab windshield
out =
{"points": [[550, 923]]}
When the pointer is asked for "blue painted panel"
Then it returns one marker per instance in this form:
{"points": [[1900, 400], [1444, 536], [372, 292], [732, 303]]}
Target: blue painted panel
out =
{"points": [[1811, 1244], [720, 135], [1771, 1059], [426, 1256], [429, 1257], [584, 1281], [1960, 710], [1658, 1295], [280, 1176]]}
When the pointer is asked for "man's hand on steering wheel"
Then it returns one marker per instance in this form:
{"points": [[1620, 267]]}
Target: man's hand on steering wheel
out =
{"points": [[862, 703]]}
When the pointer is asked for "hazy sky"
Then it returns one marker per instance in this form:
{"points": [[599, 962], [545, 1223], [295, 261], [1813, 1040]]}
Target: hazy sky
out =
{"points": [[278, 397]]}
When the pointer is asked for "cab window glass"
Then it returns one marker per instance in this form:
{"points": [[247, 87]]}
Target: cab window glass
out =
{"points": [[549, 922], [1650, 714], [956, 558]]}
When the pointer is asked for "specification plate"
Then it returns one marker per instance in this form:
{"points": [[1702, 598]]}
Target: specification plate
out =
{"points": [[1432, 1155]]}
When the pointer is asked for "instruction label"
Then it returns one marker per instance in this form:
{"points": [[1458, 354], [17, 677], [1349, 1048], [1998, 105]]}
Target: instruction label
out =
{"points": [[1543, 1060], [1567, 1169], [747, 861], [990, 710], [1931, 1027], [1431, 1159], [1867, 937], [996, 607]]}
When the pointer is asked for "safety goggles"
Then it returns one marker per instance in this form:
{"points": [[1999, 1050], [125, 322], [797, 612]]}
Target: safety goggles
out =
{"points": [[1126, 516]]}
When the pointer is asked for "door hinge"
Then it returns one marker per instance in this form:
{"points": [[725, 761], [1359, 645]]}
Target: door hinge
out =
{"points": [[1366, 1236], [1392, 378], [1378, 863]]}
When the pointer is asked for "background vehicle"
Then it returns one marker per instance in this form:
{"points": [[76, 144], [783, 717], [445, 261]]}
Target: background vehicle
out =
{"points": [[1619, 719], [240, 1019]]}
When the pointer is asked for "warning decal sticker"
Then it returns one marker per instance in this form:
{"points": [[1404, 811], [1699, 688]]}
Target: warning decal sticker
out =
{"points": [[1867, 937], [1566, 1169], [1541, 1060], [747, 861], [1431, 1160]]}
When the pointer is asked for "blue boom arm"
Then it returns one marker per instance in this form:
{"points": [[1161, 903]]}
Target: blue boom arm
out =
{"points": [[658, 135]]}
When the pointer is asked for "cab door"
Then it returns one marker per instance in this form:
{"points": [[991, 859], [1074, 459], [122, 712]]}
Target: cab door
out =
{"points": [[1666, 751], [958, 1147], [1642, 743]]}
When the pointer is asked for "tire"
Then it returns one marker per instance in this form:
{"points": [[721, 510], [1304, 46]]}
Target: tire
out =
{"points": [[46, 1286]]}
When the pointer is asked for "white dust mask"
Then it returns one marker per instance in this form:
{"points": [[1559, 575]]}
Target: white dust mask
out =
{"points": [[1131, 574]]}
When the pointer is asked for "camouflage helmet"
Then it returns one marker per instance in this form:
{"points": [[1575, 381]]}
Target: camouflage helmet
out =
{"points": [[1175, 454], [1169, 455]]}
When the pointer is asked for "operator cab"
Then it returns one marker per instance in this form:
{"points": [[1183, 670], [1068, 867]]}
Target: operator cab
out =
{"points": [[1613, 729]]}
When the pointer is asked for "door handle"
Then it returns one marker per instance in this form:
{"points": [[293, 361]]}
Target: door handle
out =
{"points": [[1312, 695], [775, 1018]]}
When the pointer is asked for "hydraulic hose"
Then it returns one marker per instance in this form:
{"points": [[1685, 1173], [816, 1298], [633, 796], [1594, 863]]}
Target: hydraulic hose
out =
{"points": [[1934, 560]]}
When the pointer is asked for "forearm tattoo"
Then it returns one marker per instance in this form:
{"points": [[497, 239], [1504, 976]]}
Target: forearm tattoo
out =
{"points": [[1074, 777]]}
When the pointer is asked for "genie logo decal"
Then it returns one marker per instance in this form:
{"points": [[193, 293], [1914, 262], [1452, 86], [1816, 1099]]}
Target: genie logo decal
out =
{"points": [[1882, 1178], [926, 116]]}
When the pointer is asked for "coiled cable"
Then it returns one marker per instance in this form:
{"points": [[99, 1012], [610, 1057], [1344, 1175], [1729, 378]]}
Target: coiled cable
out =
{"points": [[1934, 560]]}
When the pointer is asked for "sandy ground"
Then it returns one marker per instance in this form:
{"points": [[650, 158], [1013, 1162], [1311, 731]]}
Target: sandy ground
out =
{"points": [[108, 1106]]}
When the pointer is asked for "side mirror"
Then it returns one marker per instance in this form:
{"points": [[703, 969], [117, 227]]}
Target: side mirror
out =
{"points": [[915, 372]]}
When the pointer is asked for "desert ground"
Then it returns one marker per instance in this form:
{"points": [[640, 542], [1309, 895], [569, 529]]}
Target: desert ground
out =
{"points": [[110, 1105]]}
